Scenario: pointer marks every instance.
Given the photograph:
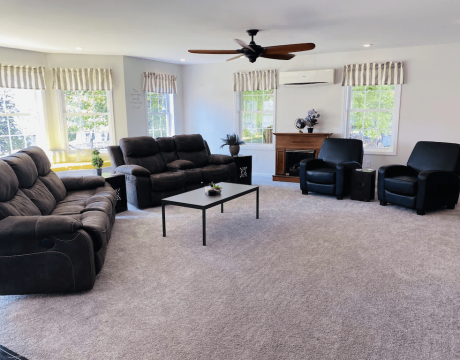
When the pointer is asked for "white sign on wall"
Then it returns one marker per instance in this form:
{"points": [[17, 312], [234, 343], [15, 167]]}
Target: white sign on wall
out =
{"points": [[136, 99]]}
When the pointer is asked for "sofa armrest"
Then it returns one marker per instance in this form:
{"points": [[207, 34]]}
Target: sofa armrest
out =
{"points": [[83, 182], [343, 176], [180, 165], [310, 164], [134, 170], [38, 226], [444, 185], [217, 159]]}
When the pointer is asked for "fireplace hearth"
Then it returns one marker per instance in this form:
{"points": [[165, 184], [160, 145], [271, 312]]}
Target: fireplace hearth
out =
{"points": [[293, 159]]}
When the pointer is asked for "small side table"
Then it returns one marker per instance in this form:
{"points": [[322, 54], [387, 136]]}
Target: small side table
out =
{"points": [[244, 169], [118, 182], [363, 184]]}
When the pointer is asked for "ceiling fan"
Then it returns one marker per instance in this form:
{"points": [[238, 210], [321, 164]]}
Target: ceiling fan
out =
{"points": [[252, 51]]}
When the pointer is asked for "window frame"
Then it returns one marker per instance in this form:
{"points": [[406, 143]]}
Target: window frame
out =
{"points": [[239, 121], [63, 113], [395, 121], [38, 113], [170, 100]]}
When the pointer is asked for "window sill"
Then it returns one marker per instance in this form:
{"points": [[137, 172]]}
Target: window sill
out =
{"points": [[379, 152]]}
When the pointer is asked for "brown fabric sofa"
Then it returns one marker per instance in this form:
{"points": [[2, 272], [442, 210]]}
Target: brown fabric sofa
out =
{"points": [[53, 232], [166, 166]]}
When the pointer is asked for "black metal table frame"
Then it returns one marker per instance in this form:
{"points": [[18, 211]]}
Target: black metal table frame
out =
{"points": [[204, 208]]}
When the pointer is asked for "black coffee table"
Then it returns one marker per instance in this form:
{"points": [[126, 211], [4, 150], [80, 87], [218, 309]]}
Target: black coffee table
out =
{"points": [[197, 199]]}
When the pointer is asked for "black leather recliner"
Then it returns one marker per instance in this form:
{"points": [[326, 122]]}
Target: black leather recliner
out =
{"points": [[429, 181], [331, 173]]}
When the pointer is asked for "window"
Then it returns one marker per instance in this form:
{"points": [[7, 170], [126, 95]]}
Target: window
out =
{"points": [[373, 116], [21, 123], [88, 118], [256, 111], [160, 114]]}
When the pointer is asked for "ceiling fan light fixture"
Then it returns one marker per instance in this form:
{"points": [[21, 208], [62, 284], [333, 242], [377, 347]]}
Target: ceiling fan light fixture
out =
{"points": [[252, 51]]}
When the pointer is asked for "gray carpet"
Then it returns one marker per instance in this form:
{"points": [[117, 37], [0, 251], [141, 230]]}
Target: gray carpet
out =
{"points": [[313, 278]]}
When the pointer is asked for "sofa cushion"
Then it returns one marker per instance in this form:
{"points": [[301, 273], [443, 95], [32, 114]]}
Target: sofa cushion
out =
{"points": [[401, 200], [69, 208], [215, 173], [143, 151], [168, 181], [24, 168], [38, 156], [192, 148], [322, 175], [403, 185], [39, 194], [18, 205], [54, 185], [168, 149], [180, 165], [328, 189], [194, 176], [9, 184]]}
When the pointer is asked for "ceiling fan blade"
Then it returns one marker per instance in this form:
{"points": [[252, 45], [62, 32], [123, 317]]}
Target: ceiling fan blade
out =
{"points": [[214, 51], [236, 57], [283, 49], [278, 56], [243, 44]]}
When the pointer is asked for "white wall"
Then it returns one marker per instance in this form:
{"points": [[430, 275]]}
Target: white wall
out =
{"points": [[137, 112], [205, 103], [428, 102], [130, 120]]}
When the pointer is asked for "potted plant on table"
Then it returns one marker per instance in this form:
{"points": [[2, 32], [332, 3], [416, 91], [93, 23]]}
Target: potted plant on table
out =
{"points": [[213, 189], [311, 119], [234, 142], [97, 161]]}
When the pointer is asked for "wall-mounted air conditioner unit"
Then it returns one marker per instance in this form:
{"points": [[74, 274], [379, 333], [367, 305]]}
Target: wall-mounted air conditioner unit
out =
{"points": [[309, 77]]}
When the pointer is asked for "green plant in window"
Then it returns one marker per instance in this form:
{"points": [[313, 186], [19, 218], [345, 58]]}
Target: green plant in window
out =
{"points": [[96, 160]]}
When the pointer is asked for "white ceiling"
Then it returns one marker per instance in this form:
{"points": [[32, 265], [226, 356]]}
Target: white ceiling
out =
{"points": [[165, 30]]}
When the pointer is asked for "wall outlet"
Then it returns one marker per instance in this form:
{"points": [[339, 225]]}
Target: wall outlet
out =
{"points": [[367, 164]]}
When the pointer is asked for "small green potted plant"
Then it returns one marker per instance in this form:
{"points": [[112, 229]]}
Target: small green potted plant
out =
{"points": [[97, 161], [234, 142], [213, 189]]}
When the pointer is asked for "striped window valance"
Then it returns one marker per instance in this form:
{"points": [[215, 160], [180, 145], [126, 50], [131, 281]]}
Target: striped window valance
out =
{"points": [[255, 80], [22, 77], [82, 79], [389, 73], [160, 83]]}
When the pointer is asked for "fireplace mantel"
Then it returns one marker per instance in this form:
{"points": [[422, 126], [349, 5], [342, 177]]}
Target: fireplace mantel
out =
{"points": [[295, 141]]}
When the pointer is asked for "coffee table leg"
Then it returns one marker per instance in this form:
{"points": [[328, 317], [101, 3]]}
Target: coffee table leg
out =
{"points": [[163, 219], [222, 207], [204, 227], [257, 203]]}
